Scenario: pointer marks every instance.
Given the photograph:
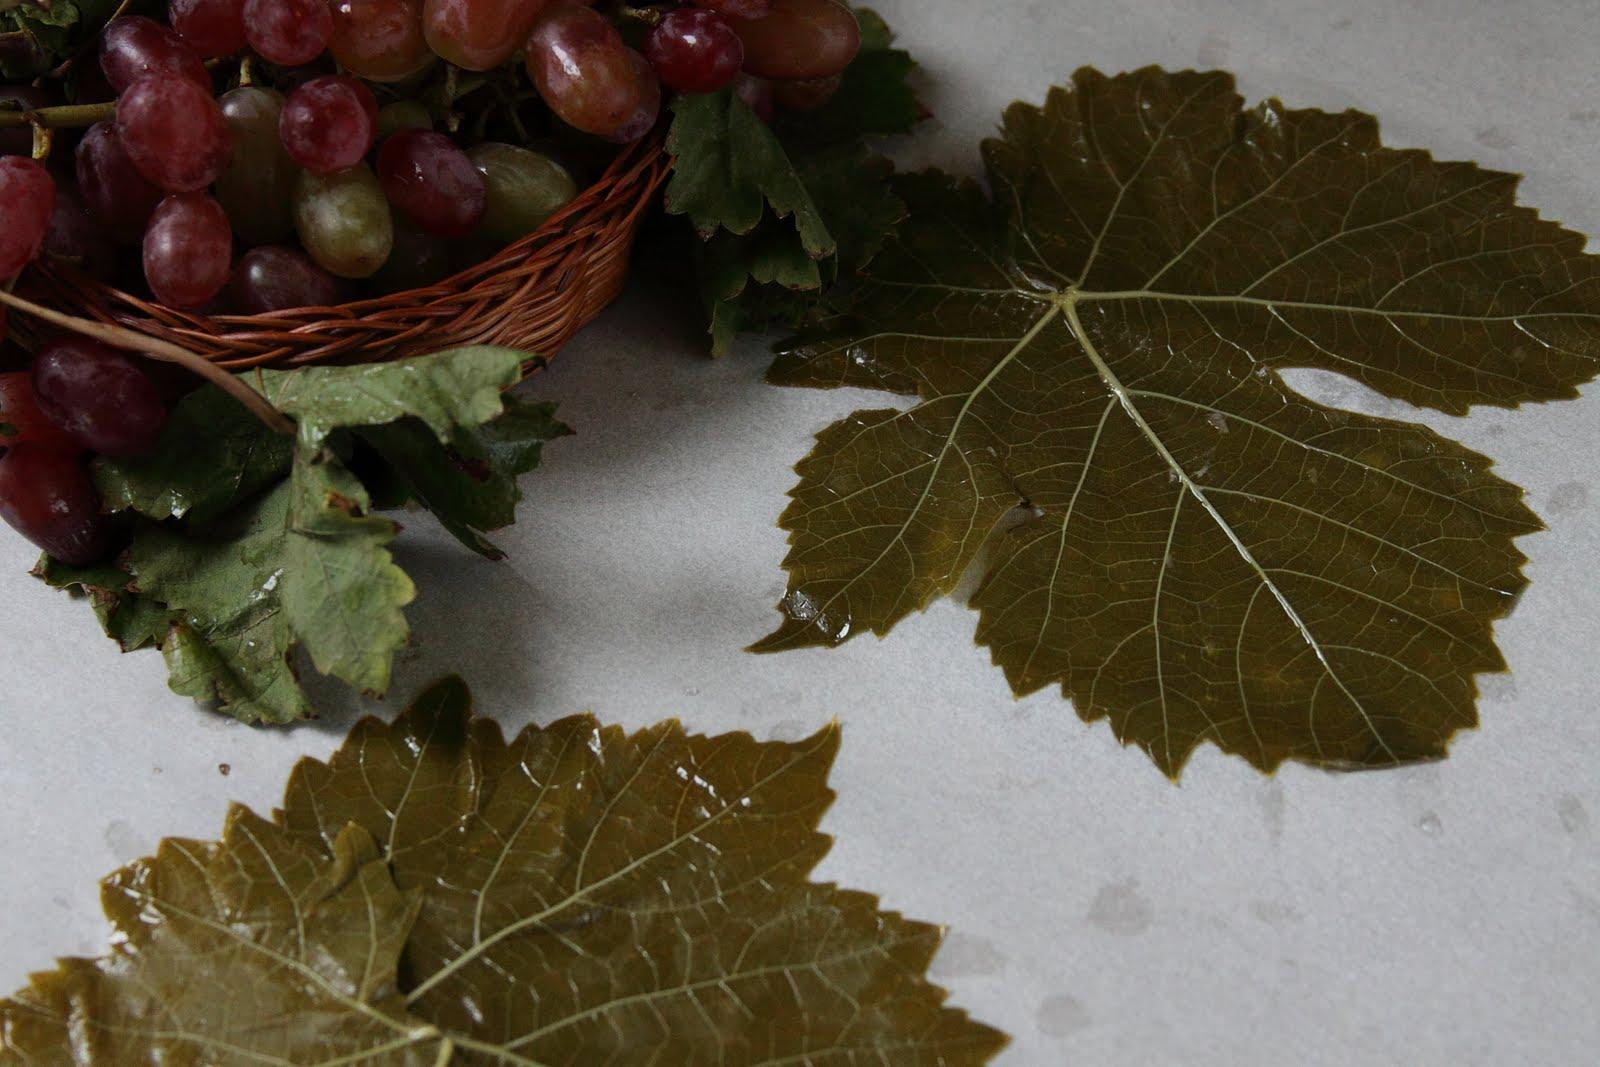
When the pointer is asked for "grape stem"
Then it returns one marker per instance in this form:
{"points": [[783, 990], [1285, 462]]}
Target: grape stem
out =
{"points": [[165, 352], [65, 117]]}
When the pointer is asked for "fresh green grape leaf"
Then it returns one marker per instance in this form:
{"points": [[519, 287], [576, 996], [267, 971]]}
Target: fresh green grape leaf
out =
{"points": [[342, 594], [248, 547], [471, 484], [728, 167], [233, 645], [460, 387], [436, 894], [1181, 542], [130, 619], [213, 455]]}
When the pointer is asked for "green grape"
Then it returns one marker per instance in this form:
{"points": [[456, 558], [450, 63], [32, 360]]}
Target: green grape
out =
{"points": [[256, 189], [403, 115], [343, 221], [524, 189]]}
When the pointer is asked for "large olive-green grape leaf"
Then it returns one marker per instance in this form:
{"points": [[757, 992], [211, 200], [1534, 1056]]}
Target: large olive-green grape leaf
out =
{"points": [[1181, 542], [434, 894]]}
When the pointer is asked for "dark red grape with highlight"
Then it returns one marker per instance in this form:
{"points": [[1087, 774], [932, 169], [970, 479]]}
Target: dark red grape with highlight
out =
{"points": [[48, 497], [275, 278], [288, 32], [432, 182], [188, 250], [589, 77], [135, 47], [212, 28], [112, 187], [380, 40], [99, 396], [329, 123], [174, 132], [27, 202], [695, 51]]}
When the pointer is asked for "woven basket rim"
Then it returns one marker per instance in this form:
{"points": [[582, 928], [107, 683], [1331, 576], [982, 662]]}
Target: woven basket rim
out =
{"points": [[586, 236]]}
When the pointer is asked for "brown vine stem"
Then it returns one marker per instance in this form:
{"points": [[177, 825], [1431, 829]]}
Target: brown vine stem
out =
{"points": [[163, 351]]}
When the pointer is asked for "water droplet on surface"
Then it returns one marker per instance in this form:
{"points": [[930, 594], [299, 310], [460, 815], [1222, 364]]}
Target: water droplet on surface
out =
{"points": [[1429, 824]]}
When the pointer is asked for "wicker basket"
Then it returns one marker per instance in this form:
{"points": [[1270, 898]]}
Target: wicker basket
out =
{"points": [[533, 295]]}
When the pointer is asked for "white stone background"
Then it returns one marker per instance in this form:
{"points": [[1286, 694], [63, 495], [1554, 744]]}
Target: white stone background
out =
{"points": [[1444, 914]]}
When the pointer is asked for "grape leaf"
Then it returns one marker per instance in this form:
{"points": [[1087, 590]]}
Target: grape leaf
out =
{"points": [[471, 485], [213, 454], [233, 645], [787, 210], [1201, 554], [248, 547], [436, 894], [728, 167], [342, 593]]}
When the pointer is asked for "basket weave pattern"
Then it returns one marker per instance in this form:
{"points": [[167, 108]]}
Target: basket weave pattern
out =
{"points": [[533, 295]]}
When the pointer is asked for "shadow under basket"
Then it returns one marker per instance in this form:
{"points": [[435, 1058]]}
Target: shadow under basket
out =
{"points": [[533, 295]]}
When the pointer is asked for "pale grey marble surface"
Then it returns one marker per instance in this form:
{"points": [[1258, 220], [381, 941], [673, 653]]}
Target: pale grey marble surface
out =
{"points": [[1447, 914]]}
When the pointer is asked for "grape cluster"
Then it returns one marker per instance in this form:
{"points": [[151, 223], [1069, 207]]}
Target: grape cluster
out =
{"points": [[262, 155]]}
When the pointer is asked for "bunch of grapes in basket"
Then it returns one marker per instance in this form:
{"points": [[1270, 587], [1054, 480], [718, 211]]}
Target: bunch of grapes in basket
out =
{"points": [[258, 156]]}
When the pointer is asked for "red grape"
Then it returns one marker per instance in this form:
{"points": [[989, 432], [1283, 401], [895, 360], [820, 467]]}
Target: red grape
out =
{"points": [[380, 40], [27, 201], [738, 9], [210, 27], [18, 140], [174, 132], [758, 94], [800, 40], [479, 34], [329, 123], [49, 498], [432, 182], [117, 194], [77, 238], [99, 396], [188, 250], [136, 47], [22, 421], [274, 278], [288, 32], [695, 51], [806, 95], [589, 78]]}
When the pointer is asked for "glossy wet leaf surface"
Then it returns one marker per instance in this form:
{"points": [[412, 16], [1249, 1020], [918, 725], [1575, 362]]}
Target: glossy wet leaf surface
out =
{"points": [[1186, 546], [247, 548], [435, 894]]}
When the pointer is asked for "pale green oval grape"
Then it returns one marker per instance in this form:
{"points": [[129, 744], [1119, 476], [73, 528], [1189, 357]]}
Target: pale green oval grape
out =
{"points": [[524, 189], [343, 221], [403, 115], [257, 186]]}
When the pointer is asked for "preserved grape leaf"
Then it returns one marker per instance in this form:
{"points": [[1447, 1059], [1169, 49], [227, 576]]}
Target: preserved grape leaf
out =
{"points": [[435, 894], [1198, 553], [249, 547]]}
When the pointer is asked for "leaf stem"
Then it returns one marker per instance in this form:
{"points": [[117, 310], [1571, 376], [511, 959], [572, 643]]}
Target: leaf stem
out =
{"points": [[163, 351]]}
